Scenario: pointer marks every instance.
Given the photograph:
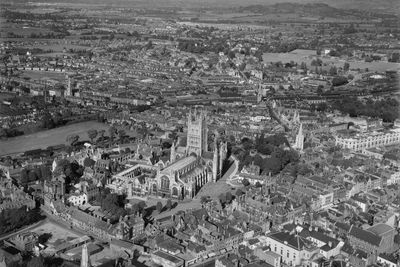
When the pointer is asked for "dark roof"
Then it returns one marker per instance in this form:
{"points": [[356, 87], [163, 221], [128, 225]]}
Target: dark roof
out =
{"points": [[168, 257], [344, 226], [380, 228], [388, 257], [366, 236], [295, 241]]}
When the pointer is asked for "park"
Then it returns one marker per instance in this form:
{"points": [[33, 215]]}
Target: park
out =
{"points": [[44, 139]]}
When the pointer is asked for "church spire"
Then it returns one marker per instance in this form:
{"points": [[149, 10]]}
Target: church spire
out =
{"points": [[300, 138], [85, 259], [215, 162], [172, 156]]}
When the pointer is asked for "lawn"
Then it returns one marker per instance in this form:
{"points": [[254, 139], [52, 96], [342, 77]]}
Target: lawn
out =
{"points": [[48, 138]]}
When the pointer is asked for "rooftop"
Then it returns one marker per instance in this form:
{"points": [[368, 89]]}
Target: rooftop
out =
{"points": [[380, 228], [179, 164]]}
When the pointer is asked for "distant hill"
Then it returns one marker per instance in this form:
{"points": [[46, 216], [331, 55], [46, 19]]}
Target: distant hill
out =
{"points": [[389, 6], [313, 9]]}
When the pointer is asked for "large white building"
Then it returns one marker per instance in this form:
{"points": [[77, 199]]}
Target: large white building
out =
{"points": [[359, 142], [294, 249]]}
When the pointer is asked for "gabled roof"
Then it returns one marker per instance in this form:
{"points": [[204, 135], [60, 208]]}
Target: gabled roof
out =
{"points": [[366, 236], [295, 241]]}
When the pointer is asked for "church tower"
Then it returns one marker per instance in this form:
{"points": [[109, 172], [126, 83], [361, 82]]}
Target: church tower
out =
{"points": [[215, 163], [68, 92], [197, 133], [300, 139], [85, 259], [259, 93], [223, 150], [172, 156]]}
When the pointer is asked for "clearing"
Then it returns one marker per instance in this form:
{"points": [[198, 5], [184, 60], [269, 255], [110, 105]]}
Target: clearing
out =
{"points": [[48, 138]]}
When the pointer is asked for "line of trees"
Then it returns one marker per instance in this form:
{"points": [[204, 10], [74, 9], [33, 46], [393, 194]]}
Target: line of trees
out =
{"points": [[386, 109], [12, 219]]}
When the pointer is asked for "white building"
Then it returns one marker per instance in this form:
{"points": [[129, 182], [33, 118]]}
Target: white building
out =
{"points": [[294, 249], [359, 142], [387, 260], [300, 139], [78, 199]]}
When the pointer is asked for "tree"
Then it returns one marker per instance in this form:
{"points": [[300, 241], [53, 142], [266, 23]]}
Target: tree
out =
{"points": [[258, 184], [43, 238], [245, 182], [168, 205], [339, 80], [159, 206], [303, 66], [238, 193], [135, 208], [111, 132], [203, 200], [346, 66], [33, 176], [101, 133], [222, 198], [72, 139], [36, 262], [320, 89], [228, 197], [136, 254], [314, 63], [24, 177], [88, 162], [121, 134], [333, 71], [92, 133], [231, 54]]}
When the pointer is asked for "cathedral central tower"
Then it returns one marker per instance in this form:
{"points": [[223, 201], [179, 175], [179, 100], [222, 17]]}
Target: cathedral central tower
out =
{"points": [[197, 133]]}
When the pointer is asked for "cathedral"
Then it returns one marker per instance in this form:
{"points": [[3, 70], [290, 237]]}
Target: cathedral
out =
{"points": [[187, 170]]}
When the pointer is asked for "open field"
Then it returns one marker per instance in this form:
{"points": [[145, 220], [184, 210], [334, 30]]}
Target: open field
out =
{"points": [[307, 56], [20, 29], [59, 234], [43, 75], [47, 138]]}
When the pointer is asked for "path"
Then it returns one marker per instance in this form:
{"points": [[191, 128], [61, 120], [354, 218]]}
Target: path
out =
{"points": [[221, 186]]}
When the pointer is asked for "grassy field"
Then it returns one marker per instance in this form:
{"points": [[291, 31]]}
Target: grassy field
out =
{"points": [[308, 55], [43, 75], [47, 138], [60, 234], [19, 29]]}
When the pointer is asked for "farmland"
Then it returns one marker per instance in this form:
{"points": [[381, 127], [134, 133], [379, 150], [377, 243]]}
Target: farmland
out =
{"points": [[48, 138]]}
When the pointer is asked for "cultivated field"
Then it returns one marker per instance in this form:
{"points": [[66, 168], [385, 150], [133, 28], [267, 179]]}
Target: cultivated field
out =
{"points": [[47, 138]]}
